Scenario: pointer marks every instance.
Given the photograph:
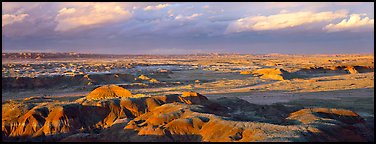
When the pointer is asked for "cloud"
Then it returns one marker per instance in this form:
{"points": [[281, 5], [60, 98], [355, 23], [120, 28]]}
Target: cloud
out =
{"points": [[8, 19], [284, 11], [170, 13], [191, 17], [91, 14], [18, 7], [206, 7], [354, 23], [283, 20], [157, 7]]}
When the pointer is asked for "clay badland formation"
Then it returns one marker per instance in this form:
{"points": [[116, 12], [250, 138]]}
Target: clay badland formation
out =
{"points": [[118, 116], [229, 98]]}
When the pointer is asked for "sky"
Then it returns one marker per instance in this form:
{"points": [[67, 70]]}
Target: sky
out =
{"points": [[188, 27]]}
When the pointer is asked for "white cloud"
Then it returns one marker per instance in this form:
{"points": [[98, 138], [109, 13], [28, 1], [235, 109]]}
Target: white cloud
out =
{"points": [[170, 13], [354, 23], [283, 20], [157, 7], [194, 15], [191, 17], [284, 11], [90, 14], [8, 19]]}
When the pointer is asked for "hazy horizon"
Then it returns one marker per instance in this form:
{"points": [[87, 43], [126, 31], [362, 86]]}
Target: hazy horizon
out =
{"points": [[188, 27], [224, 53]]}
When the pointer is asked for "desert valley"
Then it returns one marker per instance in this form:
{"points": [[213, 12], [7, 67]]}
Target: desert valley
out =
{"points": [[188, 72], [214, 97]]}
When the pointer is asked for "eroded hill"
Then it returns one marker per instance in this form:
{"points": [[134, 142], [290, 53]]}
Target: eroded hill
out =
{"points": [[117, 115]]}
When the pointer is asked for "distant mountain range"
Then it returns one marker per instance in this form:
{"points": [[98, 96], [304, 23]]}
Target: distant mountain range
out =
{"points": [[57, 55], [36, 55]]}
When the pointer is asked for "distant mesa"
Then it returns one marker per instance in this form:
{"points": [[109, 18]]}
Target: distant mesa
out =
{"points": [[272, 73], [245, 72], [337, 69], [143, 77], [351, 70], [153, 80], [108, 91], [280, 74], [193, 98], [165, 71], [190, 94]]}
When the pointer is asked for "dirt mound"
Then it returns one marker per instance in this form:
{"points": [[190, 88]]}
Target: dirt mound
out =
{"points": [[108, 91], [271, 73]]}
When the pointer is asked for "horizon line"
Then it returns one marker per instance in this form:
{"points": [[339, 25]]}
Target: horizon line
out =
{"points": [[201, 53]]}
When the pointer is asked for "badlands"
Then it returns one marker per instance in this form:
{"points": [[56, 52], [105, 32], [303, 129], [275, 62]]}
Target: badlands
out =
{"points": [[190, 98]]}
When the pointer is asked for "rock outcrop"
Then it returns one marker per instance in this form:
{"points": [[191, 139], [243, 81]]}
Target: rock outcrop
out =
{"points": [[351, 70], [271, 73]]}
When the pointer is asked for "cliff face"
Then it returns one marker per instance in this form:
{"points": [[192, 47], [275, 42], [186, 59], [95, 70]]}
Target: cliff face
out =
{"points": [[336, 69], [187, 117], [280, 74]]}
